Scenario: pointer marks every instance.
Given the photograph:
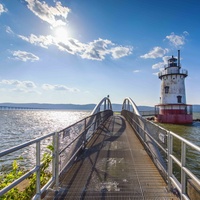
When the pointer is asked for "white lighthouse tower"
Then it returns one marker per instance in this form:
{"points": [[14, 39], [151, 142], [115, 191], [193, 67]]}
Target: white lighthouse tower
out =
{"points": [[173, 107]]}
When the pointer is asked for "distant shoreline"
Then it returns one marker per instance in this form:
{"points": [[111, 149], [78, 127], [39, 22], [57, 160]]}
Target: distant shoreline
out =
{"points": [[116, 107]]}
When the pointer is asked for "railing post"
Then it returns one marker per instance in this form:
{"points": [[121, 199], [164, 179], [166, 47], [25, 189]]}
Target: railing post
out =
{"points": [[84, 136], [128, 106], [144, 130], [38, 186], [169, 152], [183, 175], [56, 159], [94, 121]]}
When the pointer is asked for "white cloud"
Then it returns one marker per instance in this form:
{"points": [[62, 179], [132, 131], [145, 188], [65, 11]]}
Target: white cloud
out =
{"points": [[71, 46], [2, 9], [155, 74], [96, 50], [29, 84], [31, 87], [185, 33], [19, 84], [119, 51], [19, 90], [177, 40], [9, 30], [11, 82], [158, 65], [136, 71], [161, 65], [59, 88], [156, 52], [165, 59], [47, 87], [55, 16], [24, 56], [42, 41]]}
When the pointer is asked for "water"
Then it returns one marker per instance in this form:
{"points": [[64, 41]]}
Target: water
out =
{"points": [[19, 126], [191, 133]]}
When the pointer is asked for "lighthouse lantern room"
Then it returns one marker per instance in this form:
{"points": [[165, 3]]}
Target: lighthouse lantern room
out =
{"points": [[173, 107]]}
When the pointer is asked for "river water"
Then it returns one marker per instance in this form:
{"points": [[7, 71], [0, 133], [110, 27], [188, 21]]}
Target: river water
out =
{"points": [[19, 126]]}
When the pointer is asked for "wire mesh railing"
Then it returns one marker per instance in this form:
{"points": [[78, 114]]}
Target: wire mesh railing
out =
{"points": [[73, 138], [172, 162], [66, 144]]}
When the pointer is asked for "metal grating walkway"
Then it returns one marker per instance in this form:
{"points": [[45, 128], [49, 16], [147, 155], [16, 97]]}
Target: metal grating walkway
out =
{"points": [[113, 166]]}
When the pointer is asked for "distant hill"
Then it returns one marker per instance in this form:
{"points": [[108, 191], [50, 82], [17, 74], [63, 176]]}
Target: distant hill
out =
{"points": [[50, 106], [116, 107]]}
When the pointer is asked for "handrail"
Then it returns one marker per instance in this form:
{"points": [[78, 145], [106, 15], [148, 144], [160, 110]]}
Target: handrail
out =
{"points": [[126, 105], [182, 187], [66, 144], [21, 146], [162, 140], [36, 168], [107, 105]]}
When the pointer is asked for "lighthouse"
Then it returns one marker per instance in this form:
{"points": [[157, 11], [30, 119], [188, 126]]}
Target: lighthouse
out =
{"points": [[172, 107]]}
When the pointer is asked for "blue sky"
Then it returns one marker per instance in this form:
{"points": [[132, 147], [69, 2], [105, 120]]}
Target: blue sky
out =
{"points": [[79, 51]]}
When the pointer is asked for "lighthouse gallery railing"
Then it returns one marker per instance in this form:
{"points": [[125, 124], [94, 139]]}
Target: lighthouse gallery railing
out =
{"points": [[163, 145], [183, 72]]}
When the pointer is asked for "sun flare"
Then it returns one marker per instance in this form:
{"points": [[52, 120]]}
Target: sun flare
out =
{"points": [[61, 33]]}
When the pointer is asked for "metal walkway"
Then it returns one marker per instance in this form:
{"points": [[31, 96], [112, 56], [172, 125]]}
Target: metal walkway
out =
{"points": [[114, 165]]}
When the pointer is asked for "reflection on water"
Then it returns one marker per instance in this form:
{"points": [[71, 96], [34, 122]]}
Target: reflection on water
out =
{"points": [[19, 126]]}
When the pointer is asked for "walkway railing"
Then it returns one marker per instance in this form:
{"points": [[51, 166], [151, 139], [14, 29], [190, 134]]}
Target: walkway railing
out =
{"points": [[68, 142], [66, 145], [147, 113], [159, 142], [104, 104]]}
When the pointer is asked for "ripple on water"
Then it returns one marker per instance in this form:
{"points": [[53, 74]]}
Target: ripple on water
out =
{"points": [[191, 133], [19, 126]]}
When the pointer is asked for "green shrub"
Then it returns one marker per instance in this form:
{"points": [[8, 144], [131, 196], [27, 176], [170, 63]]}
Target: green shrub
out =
{"points": [[17, 172]]}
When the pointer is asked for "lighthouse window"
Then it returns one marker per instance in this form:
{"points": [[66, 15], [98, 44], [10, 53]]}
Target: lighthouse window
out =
{"points": [[166, 89], [179, 99]]}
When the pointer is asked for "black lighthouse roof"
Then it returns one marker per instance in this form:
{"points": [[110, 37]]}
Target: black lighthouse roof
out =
{"points": [[173, 62]]}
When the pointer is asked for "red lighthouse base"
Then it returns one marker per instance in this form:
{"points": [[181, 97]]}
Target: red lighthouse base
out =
{"points": [[175, 119], [174, 114]]}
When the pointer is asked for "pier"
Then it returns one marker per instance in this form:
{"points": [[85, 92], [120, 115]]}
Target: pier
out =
{"points": [[114, 165], [113, 156]]}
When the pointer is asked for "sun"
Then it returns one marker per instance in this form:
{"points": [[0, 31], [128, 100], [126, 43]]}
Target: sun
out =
{"points": [[61, 33]]}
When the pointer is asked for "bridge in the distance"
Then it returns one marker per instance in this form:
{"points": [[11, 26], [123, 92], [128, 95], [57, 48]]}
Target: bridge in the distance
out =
{"points": [[113, 156], [17, 108]]}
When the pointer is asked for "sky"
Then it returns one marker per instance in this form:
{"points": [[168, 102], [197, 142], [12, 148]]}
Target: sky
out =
{"points": [[79, 51]]}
